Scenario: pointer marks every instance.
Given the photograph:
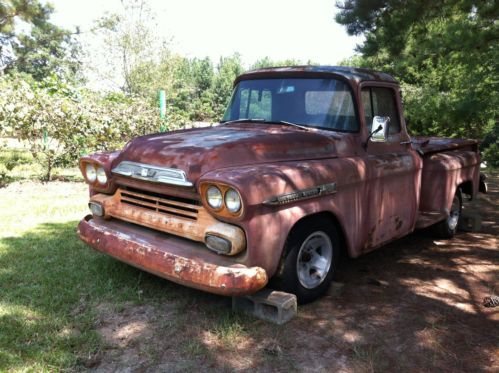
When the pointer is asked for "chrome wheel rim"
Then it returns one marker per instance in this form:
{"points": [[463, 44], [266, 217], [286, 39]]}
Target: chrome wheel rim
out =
{"points": [[314, 260], [454, 213]]}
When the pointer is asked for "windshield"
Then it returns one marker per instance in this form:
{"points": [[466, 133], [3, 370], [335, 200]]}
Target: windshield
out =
{"points": [[320, 103]]}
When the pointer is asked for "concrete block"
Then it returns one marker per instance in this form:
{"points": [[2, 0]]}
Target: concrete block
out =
{"points": [[470, 222], [270, 305]]}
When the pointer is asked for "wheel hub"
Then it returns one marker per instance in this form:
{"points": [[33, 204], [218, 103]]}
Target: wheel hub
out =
{"points": [[314, 260], [454, 213]]}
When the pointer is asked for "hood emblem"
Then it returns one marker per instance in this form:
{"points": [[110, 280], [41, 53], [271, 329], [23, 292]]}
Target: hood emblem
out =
{"points": [[151, 173], [147, 172]]}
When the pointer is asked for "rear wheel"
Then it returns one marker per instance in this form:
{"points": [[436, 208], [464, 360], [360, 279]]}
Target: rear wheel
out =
{"points": [[312, 256], [447, 228]]}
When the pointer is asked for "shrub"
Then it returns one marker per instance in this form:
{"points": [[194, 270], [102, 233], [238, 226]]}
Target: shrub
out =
{"points": [[61, 123], [490, 147]]}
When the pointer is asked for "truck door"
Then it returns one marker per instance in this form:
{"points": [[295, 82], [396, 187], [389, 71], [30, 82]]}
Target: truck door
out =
{"points": [[393, 169]]}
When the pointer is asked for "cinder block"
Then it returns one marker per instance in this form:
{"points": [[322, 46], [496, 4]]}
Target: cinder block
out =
{"points": [[270, 305], [470, 222]]}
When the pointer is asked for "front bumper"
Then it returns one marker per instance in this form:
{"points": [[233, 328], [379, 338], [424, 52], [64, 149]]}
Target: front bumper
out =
{"points": [[176, 259]]}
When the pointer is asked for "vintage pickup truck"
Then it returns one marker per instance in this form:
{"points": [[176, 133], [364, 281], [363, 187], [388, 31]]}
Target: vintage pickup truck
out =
{"points": [[308, 164]]}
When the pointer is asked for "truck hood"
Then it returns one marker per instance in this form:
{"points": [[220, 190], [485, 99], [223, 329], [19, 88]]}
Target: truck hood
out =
{"points": [[201, 150]]}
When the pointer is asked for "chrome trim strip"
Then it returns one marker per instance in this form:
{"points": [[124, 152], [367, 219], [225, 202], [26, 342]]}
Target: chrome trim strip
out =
{"points": [[301, 195], [151, 173]]}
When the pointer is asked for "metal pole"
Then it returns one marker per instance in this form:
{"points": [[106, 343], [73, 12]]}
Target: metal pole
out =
{"points": [[45, 139], [162, 110]]}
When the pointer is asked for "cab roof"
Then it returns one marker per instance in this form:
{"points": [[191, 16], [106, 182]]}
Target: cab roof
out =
{"points": [[354, 74]]}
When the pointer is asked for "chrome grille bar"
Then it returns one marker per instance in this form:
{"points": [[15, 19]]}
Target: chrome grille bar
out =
{"points": [[151, 173]]}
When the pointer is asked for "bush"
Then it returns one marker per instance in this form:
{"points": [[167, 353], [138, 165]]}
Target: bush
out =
{"points": [[61, 123], [490, 147]]}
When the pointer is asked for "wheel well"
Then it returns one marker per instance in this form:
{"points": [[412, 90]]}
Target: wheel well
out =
{"points": [[320, 215], [467, 188]]}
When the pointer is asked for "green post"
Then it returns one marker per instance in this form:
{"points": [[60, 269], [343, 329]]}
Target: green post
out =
{"points": [[45, 139], [162, 109]]}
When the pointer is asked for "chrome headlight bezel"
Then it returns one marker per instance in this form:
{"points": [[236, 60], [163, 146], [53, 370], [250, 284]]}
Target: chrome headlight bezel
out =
{"points": [[230, 197]]}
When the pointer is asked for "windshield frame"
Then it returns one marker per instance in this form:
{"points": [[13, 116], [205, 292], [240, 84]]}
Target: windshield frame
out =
{"points": [[313, 76]]}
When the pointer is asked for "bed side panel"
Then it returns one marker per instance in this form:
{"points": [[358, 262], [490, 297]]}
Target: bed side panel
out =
{"points": [[443, 173]]}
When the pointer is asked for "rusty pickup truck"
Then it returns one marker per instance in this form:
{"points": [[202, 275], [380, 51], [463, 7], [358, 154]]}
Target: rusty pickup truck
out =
{"points": [[308, 164]]}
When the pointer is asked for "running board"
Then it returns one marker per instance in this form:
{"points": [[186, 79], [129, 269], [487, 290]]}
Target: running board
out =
{"points": [[427, 218]]}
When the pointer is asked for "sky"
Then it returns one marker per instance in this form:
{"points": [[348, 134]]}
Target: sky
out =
{"points": [[279, 29]]}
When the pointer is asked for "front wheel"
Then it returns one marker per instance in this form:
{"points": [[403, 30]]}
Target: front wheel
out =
{"points": [[312, 256], [447, 228]]}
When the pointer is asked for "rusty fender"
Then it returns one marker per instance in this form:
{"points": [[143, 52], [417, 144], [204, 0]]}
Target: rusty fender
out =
{"points": [[173, 258]]}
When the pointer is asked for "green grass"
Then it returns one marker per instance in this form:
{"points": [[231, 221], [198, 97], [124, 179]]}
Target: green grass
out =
{"points": [[46, 273], [19, 164]]}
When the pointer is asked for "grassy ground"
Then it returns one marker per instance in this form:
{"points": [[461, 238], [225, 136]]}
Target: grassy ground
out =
{"points": [[18, 164], [44, 271], [414, 305]]}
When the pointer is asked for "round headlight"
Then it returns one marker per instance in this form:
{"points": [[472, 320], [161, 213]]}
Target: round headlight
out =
{"points": [[214, 197], [232, 200], [101, 176], [90, 172]]}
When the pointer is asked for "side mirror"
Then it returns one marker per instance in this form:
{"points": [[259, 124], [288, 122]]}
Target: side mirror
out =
{"points": [[380, 129]]}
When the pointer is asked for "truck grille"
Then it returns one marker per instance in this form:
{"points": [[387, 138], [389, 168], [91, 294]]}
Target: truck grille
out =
{"points": [[169, 205]]}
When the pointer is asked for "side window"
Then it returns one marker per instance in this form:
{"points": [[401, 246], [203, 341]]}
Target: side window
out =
{"points": [[381, 102], [255, 104], [368, 109]]}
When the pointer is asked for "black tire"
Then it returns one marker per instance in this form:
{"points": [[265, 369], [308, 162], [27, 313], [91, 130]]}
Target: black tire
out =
{"points": [[290, 279], [447, 228]]}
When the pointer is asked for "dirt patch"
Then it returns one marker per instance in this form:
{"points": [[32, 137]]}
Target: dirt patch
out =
{"points": [[121, 328], [414, 305], [128, 331]]}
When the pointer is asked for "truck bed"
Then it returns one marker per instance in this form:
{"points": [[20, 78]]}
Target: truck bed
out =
{"points": [[447, 163], [429, 145]]}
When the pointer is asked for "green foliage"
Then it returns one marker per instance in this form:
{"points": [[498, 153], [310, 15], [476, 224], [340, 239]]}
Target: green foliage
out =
{"points": [[444, 53], [228, 69], [45, 51], [195, 90], [128, 42], [30, 11], [490, 146], [41, 49], [60, 123], [268, 62]]}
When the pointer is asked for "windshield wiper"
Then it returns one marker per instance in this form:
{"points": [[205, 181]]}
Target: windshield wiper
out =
{"points": [[286, 123], [258, 120], [242, 120]]}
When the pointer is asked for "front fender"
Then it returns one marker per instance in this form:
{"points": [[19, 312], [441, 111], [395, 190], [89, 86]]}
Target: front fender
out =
{"points": [[267, 226]]}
